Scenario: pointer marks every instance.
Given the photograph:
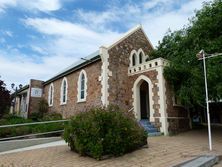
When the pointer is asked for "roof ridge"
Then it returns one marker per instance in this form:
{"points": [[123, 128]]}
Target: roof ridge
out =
{"points": [[124, 36]]}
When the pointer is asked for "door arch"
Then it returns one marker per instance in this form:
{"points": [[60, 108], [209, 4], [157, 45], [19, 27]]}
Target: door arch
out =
{"points": [[144, 100], [143, 85]]}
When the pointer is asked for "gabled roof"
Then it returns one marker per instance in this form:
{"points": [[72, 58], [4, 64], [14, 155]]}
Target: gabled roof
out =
{"points": [[94, 56], [127, 34]]}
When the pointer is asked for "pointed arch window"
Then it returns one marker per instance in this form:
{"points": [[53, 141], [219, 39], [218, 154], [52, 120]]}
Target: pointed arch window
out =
{"points": [[140, 58], [51, 94], [134, 60], [82, 86], [63, 91]]}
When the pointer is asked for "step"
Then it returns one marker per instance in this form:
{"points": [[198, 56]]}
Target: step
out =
{"points": [[154, 134], [201, 161], [148, 127], [144, 121], [151, 130]]}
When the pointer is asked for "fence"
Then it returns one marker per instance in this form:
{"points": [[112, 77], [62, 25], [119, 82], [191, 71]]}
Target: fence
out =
{"points": [[32, 134]]}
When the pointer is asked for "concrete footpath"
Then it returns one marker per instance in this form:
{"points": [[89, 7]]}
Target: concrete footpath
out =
{"points": [[22, 143]]}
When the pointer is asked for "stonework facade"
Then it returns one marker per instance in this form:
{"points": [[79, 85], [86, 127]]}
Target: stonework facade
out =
{"points": [[72, 106], [120, 74]]}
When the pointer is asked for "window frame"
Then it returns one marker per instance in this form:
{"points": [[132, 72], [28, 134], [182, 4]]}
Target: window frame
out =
{"points": [[64, 92], [82, 88], [142, 55], [133, 57], [51, 95]]}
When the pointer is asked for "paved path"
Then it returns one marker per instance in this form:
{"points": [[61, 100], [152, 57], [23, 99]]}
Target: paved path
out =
{"points": [[162, 152], [16, 144]]}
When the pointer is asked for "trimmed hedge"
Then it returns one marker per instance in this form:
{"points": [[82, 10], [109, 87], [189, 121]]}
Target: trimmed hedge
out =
{"points": [[101, 131]]}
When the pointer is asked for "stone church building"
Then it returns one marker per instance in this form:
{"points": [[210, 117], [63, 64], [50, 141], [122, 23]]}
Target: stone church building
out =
{"points": [[121, 74]]}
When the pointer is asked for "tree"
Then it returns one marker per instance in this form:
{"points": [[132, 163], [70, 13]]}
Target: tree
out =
{"points": [[185, 72], [5, 99]]}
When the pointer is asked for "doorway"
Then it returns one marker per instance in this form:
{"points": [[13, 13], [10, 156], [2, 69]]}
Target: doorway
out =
{"points": [[144, 100]]}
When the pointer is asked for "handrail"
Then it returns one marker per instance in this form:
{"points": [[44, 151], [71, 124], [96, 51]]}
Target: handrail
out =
{"points": [[29, 135], [130, 109], [32, 123]]}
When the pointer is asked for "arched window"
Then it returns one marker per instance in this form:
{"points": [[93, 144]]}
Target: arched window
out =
{"points": [[63, 91], [82, 86], [141, 58], [134, 60], [51, 94]]}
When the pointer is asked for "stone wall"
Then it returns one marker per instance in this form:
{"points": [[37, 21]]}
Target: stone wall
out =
{"points": [[178, 116], [152, 75], [93, 98], [120, 84], [33, 104]]}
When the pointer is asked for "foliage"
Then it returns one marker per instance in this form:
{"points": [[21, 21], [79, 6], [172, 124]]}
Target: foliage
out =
{"points": [[5, 99], [185, 72], [101, 131], [29, 129], [49, 116], [36, 116], [43, 106]]}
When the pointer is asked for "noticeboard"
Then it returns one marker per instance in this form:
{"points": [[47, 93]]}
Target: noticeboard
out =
{"points": [[36, 92]]}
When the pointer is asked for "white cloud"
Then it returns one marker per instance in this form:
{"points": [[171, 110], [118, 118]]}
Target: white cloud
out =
{"points": [[69, 38], [38, 49], [66, 42], [114, 15], [8, 33], [156, 16], [153, 3], [41, 5], [22, 68], [31, 5], [157, 24]]}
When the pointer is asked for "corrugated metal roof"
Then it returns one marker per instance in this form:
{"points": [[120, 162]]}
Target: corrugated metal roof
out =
{"points": [[79, 62]]}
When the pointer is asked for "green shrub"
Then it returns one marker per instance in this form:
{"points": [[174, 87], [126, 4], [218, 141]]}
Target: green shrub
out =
{"points": [[100, 131], [49, 116], [13, 119], [14, 131], [36, 116], [29, 129]]}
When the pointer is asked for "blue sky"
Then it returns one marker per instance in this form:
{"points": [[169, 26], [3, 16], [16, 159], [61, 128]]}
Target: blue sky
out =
{"points": [[39, 38]]}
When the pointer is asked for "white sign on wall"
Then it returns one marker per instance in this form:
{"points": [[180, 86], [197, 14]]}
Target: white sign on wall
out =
{"points": [[36, 92]]}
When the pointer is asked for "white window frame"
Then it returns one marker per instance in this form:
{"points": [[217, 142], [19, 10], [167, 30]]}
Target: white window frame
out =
{"points": [[79, 99], [131, 58], [61, 91], [51, 92], [140, 51]]}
